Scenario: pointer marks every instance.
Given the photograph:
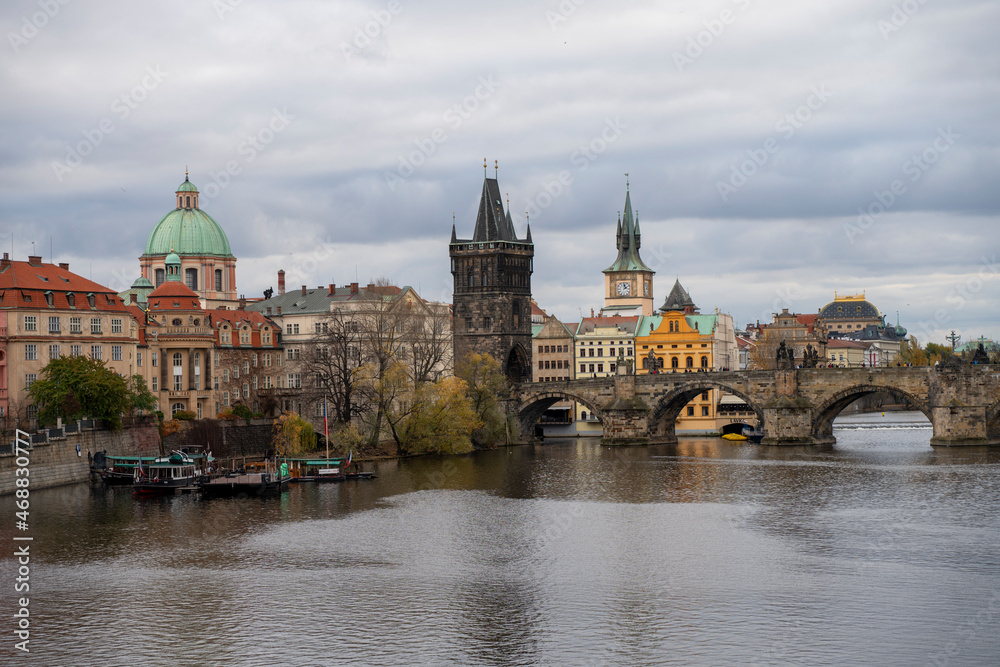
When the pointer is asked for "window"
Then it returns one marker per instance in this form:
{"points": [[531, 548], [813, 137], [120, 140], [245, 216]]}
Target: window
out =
{"points": [[71, 299], [116, 353], [152, 359], [225, 375], [95, 352], [29, 380], [138, 358], [74, 325], [255, 360], [154, 383], [704, 362], [159, 277], [75, 350], [116, 325], [215, 382], [218, 280], [246, 367], [246, 390], [488, 323], [236, 372], [215, 359], [54, 352], [245, 336], [175, 408], [600, 351], [689, 362], [30, 323], [704, 411], [294, 380], [267, 359], [583, 368], [600, 368], [95, 325], [191, 278], [267, 382], [178, 382], [255, 382], [54, 325], [704, 395], [541, 365], [31, 352], [591, 368], [292, 353], [291, 329], [690, 411], [265, 336], [225, 398], [178, 360], [674, 362]]}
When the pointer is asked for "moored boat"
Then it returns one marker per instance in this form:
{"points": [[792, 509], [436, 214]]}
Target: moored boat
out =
{"points": [[266, 480], [172, 474]]}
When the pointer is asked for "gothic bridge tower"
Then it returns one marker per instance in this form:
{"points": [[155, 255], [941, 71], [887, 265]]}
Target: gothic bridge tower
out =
{"points": [[492, 289]]}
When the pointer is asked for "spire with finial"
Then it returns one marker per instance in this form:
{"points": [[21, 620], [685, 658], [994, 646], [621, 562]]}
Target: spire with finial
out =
{"points": [[496, 168], [484, 167]]}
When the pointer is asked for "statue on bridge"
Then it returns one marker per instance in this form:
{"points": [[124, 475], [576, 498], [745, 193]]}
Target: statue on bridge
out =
{"points": [[785, 357], [980, 356], [811, 357]]}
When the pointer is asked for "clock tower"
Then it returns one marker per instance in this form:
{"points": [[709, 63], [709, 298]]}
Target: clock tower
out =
{"points": [[628, 283]]}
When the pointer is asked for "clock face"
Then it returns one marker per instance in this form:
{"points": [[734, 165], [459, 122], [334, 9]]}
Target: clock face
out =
{"points": [[624, 288]]}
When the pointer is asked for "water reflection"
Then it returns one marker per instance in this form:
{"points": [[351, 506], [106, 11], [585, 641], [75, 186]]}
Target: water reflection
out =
{"points": [[873, 550]]}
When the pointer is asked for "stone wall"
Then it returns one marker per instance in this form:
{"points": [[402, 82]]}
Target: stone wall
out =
{"points": [[224, 438], [56, 462]]}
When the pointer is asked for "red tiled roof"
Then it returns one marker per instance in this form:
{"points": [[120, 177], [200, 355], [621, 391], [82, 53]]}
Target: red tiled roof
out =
{"points": [[839, 343], [170, 292], [24, 285]]}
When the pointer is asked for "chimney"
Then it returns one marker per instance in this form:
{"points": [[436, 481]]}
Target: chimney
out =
{"points": [[281, 282], [279, 310], [34, 259], [269, 310], [354, 288], [333, 289], [591, 312], [371, 285], [64, 266], [303, 290], [5, 262], [243, 303]]}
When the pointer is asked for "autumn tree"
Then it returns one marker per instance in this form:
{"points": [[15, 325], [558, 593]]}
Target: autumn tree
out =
{"points": [[292, 435], [487, 387], [763, 353], [445, 420]]}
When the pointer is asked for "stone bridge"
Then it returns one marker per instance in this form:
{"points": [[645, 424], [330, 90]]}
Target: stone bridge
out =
{"points": [[794, 407]]}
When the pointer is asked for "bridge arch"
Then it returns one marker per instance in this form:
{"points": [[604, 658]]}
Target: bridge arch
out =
{"points": [[534, 406], [666, 410], [822, 429]]}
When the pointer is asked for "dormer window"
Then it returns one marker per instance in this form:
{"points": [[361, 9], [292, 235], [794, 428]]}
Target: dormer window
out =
{"points": [[71, 298], [92, 300], [48, 299]]}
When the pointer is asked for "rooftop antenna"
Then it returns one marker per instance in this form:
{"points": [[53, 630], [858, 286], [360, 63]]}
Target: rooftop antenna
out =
{"points": [[32, 247], [484, 167], [496, 168]]}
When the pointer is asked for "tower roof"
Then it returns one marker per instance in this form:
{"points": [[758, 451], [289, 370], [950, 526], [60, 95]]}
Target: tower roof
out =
{"points": [[628, 242], [678, 299], [492, 223]]}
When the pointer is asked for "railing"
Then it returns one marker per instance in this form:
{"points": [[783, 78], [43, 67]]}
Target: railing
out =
{"points": [[168, 330]]}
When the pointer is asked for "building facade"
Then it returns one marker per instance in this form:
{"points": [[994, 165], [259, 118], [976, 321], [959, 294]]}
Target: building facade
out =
{"points": [[492, 288], [47, 312]]}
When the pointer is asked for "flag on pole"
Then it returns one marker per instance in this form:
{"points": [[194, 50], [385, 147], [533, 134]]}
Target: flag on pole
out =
{"points": [[349, 455]]}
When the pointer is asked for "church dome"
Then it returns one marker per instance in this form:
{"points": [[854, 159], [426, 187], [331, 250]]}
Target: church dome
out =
{"points": [[187, 230], [850, 308]]}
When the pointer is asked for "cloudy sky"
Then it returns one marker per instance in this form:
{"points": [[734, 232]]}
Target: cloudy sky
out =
{"points": [[777, 151]]}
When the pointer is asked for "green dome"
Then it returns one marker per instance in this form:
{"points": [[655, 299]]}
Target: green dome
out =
{"points": [[142, 282], [188, 232], [187, 186]]}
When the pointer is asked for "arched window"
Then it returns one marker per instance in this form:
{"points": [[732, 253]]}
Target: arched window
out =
{"points": [[673, 362], [689, 362], [583, 415], [671, 326], [218, 280], [175, 408], [704, 362], [645, 362]]}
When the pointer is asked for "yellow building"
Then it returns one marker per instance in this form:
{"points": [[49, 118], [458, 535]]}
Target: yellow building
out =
{"points": [[681, 340]]}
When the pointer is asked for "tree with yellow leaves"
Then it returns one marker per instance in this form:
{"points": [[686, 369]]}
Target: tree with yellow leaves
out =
{"points": [[292, 435]]}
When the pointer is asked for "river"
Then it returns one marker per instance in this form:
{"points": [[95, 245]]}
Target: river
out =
{"points": [[879, 550]]}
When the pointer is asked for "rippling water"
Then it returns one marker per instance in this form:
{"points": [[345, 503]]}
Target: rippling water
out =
{"points": [[877, 550]]}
